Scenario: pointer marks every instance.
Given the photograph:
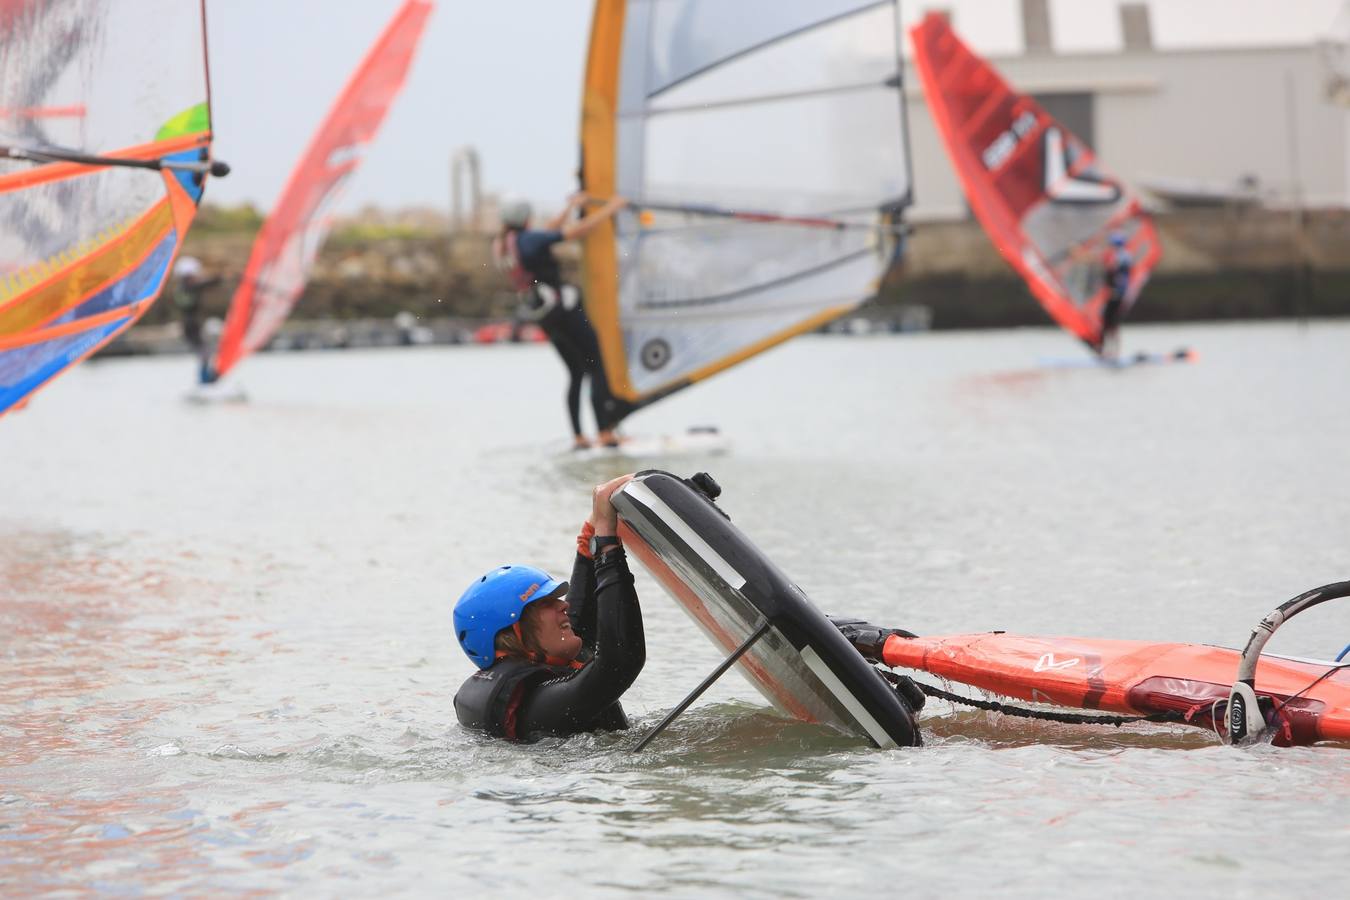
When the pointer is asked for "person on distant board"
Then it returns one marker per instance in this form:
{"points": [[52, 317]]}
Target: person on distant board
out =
{"points": [[1119, 265], [190, 283], [213, 329], [527, 255], [553, 657]]}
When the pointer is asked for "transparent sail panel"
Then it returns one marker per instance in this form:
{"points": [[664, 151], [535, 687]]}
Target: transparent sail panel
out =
{"points": [[856, 50], [97, 75], [731, 118], [673, 340], [688, 36], [849, 158], [84, 250], [284, 253]]}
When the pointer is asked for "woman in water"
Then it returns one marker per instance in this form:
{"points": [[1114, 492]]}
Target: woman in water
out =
{"points": [[553, 658], [527, 254]]}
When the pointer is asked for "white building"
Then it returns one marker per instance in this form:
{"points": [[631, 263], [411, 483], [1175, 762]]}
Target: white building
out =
{"points": [[1186, 94]]}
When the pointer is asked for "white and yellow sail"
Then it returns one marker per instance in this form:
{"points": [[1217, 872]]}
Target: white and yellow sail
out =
{"points": [[763, 146]]}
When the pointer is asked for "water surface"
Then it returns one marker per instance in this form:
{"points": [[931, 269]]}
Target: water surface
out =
{"points": [[227, 659]]}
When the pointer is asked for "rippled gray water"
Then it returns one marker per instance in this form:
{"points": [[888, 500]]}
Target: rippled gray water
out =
{"points": [[227, 660]]}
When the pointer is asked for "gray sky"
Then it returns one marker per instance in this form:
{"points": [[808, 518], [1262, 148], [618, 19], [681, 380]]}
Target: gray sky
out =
{"points": [[505, 76]]}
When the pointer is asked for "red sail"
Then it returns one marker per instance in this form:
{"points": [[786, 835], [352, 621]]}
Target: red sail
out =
{"points": [[290, 239], [1036, 188], [1133, 677]]}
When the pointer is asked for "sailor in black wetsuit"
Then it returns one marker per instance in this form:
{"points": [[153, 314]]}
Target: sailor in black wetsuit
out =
{"points": [[553, 658], [190, 283], [1119, 265], [527, 255]]}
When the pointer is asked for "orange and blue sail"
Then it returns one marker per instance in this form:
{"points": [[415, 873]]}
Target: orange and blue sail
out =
{"points": [[105, 139]]}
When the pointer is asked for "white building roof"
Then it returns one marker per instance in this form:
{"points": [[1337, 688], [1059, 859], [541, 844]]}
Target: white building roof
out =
{"points": [[993, 28]]}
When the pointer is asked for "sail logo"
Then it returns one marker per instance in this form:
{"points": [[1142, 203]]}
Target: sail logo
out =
{"points": [[1064, 187], [1048, 661], [655, 354], [1032, 260], [1002, 146]]}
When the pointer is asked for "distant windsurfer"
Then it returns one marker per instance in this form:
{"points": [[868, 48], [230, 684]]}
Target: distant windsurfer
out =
{"points": [[190, 283], [212, 329], [1118, 268], [553, 657], [527, 255]]}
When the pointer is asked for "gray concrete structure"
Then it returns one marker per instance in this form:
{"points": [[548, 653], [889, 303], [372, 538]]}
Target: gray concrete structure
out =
{"points": [[464, 166]]}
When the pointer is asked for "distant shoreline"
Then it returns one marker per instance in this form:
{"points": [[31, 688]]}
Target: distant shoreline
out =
{"points": [[1217, 264]]}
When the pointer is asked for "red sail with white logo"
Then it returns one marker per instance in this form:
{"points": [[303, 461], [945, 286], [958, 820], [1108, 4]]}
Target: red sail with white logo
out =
{"points": [[284, 252], [1035, 187]]}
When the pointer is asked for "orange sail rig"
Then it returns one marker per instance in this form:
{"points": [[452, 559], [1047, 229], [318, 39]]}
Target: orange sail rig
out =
{"points": [[1302, 700], [105, 143], [284, 252], [1036, 188]]}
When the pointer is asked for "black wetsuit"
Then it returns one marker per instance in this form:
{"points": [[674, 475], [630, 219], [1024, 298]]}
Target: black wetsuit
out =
{"points": [[1118, 281], [187, 296], [557, 307], [521, 700]]}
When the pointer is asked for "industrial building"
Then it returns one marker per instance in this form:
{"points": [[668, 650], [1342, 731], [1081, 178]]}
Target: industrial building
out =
{"points": [[1241, 122]]}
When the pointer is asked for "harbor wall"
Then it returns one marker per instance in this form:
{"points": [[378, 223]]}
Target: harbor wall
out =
{"points": [[1225, 263]]}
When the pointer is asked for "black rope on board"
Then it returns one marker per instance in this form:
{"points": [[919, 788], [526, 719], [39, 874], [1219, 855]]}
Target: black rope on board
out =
{"points": [[1275, 710], [1024, 713]]}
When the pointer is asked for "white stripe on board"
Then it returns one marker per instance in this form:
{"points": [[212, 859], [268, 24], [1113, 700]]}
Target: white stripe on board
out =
{"points": [[640, 493], [845, 696]]}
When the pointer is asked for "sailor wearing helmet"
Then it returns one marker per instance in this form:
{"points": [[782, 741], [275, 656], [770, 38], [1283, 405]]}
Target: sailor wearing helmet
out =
{"points": [[526, 254], [553, 657], [1119, 264]]}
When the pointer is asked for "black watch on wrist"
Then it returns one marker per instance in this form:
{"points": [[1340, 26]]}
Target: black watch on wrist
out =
{"points": [[599, 543]]}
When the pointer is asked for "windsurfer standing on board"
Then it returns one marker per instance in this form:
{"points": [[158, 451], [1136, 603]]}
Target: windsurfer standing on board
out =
{"points": [[1119, 264], [553, 657], [190, 282], [527, 255]]}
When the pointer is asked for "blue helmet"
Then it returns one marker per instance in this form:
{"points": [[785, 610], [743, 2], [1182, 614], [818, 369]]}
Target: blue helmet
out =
{"points": [[1117, 239], [497, 601]]}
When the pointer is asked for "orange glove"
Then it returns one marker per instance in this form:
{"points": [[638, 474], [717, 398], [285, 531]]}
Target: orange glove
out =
{"points": [[584, 538]]}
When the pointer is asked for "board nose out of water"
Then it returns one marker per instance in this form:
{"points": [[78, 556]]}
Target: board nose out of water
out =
{"points": [[789, 651]]}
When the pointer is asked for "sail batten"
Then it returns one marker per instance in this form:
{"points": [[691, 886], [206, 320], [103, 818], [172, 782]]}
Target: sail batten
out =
{"points": [[778, 97], [764, 150]]}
